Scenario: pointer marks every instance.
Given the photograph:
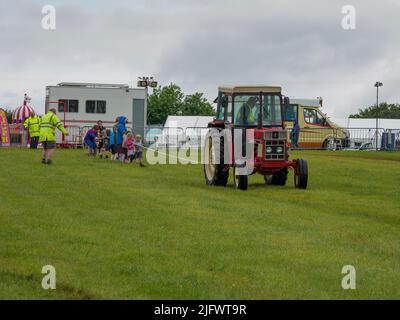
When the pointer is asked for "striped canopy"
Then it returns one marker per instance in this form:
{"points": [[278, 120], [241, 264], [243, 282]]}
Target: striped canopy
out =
{"points": [[21, 113]]}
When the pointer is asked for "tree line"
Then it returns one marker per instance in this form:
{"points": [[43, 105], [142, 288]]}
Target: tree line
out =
{"points": [[171, 101], [384, 111]]}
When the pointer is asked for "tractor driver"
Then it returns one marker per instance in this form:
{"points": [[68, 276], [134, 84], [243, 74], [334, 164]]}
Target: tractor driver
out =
{"points": [[248, 112]]}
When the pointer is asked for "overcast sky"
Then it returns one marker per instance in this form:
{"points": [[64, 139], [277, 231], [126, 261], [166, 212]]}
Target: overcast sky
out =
{"points": [[200, 44]]}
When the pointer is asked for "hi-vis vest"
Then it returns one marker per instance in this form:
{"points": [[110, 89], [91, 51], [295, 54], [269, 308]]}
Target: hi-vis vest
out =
{"points": [[48, 126], [245, 116], [33, 126]]}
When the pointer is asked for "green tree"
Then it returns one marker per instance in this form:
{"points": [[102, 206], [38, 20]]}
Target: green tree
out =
{"points": [[384, 111], [171, 101], [197, 105], [164, 101]]}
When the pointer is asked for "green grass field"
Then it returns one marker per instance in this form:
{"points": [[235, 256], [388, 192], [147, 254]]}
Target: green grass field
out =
{"points": [[117, 231]]}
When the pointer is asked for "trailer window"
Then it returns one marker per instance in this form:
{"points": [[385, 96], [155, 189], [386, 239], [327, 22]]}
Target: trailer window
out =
{"points": [[90, 106], [73, 106], [101, 106], [70, 105], [93, 106], [61, 104]]}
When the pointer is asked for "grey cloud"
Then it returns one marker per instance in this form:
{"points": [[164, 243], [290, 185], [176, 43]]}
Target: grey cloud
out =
{"points": [[201, 44], [307, 52]]}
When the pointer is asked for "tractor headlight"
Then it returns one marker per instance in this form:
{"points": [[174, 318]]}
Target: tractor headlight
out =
{"points": [[269, 150], [279, 150]]}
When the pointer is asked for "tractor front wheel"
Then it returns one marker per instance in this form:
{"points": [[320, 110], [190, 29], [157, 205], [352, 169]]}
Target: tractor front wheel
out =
{"points": [[301, 174]]}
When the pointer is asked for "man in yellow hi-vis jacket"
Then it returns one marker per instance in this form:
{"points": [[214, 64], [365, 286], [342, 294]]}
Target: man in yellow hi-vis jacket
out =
{"points": [[33, 125], [47, 136], [246, 115]]}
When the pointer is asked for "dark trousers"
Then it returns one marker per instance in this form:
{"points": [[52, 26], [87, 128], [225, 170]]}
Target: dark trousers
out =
{"points": [[294, 139], [132, 157], [34, 142]]}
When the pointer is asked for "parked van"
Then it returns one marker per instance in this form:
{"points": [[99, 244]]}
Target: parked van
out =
{"points": [[316, 130]]}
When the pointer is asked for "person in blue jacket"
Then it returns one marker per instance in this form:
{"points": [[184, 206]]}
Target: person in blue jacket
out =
{"points": [[121, 129], [90, 140]]}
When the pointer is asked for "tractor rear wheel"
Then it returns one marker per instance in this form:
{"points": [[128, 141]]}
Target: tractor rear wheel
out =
{"points": [[301, 174], [278, 178], [216, 174]]}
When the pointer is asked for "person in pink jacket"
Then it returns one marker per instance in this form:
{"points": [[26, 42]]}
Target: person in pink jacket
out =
{"points": [[130, 146]]}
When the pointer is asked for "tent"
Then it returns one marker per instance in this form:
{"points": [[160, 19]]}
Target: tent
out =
{"points": [[367, 123], [179, 131], [22, 112], [185, 122]]}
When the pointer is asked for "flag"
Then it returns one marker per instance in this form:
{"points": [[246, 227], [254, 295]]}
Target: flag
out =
{"points": [[4, 129]]}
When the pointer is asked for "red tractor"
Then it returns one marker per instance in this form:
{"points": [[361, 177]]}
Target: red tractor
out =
{"points": [[250, 116]]}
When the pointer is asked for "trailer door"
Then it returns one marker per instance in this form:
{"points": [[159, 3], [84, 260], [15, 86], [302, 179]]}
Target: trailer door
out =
{"points": [[138, 117]]}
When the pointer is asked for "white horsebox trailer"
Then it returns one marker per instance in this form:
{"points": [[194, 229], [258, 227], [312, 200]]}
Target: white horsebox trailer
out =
{"points": [[86, 103]]}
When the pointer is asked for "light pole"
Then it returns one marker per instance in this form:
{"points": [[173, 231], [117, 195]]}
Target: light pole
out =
{"points": [[146, 82], [377, 85]]}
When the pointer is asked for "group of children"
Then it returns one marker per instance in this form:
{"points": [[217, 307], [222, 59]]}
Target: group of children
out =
{"points": [[117, 143]]}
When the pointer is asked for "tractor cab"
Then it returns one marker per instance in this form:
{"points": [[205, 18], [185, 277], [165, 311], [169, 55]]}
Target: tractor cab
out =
{"points": [[250, 107], [257, 114]]}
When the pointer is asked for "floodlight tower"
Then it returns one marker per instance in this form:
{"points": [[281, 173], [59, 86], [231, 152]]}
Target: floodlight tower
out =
{"points": [[146, 82], [377, 85]]}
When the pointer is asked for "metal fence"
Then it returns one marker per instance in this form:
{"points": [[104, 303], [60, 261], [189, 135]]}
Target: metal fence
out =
{"points": [[74, 139], [344, 139], [392, 139], [162, 137], [176, 137], [195, 136], [324, 138], [18, 136], [156, 137]]}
